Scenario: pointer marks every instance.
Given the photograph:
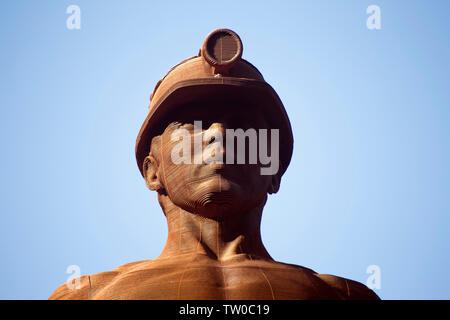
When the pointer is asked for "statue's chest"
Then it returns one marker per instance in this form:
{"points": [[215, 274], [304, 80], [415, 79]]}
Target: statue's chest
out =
{"points": [[210, 282]]}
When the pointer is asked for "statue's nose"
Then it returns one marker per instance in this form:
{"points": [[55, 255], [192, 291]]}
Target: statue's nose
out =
{"points": [[214, 138], [215, 133], [218, 127]]}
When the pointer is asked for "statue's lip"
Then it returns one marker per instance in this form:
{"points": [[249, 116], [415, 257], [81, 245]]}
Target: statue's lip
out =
{"points": [[207, 171], [220, 168], [212, 173], [227, 171]]}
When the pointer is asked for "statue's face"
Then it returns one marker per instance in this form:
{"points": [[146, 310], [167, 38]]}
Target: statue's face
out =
{"points": [[196, 170]]}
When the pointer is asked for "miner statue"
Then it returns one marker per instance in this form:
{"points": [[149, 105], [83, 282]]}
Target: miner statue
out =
{"points": [[216, 141]]}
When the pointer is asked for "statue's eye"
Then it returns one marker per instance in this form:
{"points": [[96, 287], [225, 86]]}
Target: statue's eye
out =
{"points": [[180, 124], [176, 124], [188, 126]]}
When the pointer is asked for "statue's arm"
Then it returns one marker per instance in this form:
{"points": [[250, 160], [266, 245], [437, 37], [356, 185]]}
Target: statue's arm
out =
{"points": [[349, 289]]}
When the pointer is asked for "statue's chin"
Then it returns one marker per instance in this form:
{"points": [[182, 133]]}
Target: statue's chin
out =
{"points": [[217, 204], [216, 197]]}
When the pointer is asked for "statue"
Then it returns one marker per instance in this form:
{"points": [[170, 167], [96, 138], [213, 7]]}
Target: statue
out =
{"points": [[212, 187]]}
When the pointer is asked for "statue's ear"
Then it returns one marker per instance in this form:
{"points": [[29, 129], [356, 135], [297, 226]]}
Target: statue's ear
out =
{"points": [[274, 184], [151, 176]]}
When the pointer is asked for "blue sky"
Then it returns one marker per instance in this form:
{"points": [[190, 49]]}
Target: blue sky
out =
{"points": [[369, 181]]}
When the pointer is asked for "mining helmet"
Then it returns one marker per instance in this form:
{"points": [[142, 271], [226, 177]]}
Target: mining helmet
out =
{"points": [[217, 73]]}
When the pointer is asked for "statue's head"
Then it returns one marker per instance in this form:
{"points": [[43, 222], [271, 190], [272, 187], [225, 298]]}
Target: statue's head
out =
{"points": [[217, 139]]}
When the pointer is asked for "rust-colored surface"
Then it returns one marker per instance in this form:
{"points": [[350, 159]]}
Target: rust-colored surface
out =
{"points": [[214, 248]]}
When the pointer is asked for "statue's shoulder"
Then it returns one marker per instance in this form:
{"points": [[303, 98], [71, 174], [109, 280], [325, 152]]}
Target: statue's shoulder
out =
{"points": [[84, 287], [87, 286], [349, 289]]}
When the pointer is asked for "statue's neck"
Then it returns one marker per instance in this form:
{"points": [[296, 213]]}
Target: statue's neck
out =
{"points": [[221, 239]]}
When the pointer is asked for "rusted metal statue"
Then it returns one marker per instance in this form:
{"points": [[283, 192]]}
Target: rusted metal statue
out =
{"points": [[212, 187]]}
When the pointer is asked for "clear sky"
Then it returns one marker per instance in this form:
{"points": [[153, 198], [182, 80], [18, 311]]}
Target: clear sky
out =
{"points": [[369, 181]]}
